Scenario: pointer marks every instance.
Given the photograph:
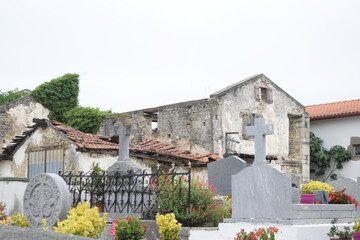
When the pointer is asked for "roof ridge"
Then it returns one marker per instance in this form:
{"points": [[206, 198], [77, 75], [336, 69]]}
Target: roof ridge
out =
{"points": [[353, 100]]}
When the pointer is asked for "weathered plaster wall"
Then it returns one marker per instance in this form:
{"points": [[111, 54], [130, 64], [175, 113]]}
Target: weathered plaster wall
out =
{"points": [[16, 116], [40, 138], [291, 128], [12, 194], [86, 159]]}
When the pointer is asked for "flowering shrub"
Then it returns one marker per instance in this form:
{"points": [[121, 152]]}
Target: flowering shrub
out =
{"points": [[340, 197], [3, 218], [315, 185], [83, 221], [257, 234], [169, 228], [2, 211], [19, 219], [128, 229], [172, 198]]}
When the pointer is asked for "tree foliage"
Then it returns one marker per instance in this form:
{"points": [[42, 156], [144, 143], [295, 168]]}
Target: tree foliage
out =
{"points": [[85, 119], [11, 95], [59, 95], [322, 159]]}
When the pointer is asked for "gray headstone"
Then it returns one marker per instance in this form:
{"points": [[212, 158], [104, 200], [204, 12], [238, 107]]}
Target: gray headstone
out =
{"points": [[321, 196], [296, 196], [124, 164], [46, 196], [352, 187], [259, 130], [265, 192], [219, 173]]}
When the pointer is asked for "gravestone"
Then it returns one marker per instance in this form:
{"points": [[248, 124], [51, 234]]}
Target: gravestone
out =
{"points": [[352, 186], [261, 191], [219, 173], [128, 192], [296, 196], [321, 196], [124, 164], [46, 196]]}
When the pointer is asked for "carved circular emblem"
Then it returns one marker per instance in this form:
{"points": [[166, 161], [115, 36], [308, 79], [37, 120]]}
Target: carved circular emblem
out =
{"points": [[46, 196]]}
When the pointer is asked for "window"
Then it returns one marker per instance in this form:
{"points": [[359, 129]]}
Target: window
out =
{"points": [[263, 94], [248, 119], [45, 161], [357, 150]]}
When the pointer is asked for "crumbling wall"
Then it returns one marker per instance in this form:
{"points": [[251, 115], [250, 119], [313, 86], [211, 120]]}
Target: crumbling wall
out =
{"points": [[187, 125], [16, 116]]}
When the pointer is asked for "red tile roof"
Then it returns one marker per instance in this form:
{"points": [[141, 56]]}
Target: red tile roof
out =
{"points": [[83, 140], [334, 110], [155, 146]]}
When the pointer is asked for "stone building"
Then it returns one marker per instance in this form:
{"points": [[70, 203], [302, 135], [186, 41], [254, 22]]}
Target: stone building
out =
{"points": [[15, 117], [217, 125]]}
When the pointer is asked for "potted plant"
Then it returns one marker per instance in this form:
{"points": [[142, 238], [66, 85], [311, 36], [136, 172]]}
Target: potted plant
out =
{"points": [[356, 228], [128, 229], [307, 196], [340, 197], [261, 233], [336, 234], [169, 227]]}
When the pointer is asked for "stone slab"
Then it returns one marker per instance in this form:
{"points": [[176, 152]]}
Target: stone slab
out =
{"points": [[220, 172], [16, 233], [46, 196], [352, 187], [265, 194]]}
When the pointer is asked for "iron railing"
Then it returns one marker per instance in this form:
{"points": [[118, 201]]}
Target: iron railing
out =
{"points": [[132, 192]]}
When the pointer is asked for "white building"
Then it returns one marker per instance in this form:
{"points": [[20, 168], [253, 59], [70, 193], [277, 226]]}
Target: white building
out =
{"points": [[338, 123]]}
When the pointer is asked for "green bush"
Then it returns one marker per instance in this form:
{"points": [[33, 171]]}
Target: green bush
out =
{"points": [[11, 95], [204, 208], [85, 119], [59, 95]]}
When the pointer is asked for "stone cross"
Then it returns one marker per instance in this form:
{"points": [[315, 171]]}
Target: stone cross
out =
{"points": [[259, 130], [125, 128]]}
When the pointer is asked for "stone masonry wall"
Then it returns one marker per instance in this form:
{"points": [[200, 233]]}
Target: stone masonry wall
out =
{"points": [[16, 116], [187, 126]]}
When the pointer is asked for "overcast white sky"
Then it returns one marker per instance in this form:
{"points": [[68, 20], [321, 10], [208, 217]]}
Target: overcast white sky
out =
{"points": [[139, 54]]}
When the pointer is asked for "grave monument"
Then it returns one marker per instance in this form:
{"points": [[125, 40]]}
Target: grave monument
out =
{"points": [[261, 191], [46, 196], [220, 172], [124, 164]]}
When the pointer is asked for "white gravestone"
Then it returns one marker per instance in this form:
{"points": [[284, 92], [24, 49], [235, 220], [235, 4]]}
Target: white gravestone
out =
{"points": [[261, 191], [46, 197]]}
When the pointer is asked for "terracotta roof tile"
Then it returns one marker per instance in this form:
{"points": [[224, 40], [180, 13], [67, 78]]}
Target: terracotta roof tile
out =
{"points": [[155, 146], [83, 140], [334, 110]]}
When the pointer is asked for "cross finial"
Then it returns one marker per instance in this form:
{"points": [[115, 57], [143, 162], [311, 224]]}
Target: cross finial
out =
{"points": [[259, 130]]}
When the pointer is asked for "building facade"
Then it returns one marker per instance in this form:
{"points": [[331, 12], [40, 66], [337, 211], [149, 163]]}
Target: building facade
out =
{"points": [[217, 125]]}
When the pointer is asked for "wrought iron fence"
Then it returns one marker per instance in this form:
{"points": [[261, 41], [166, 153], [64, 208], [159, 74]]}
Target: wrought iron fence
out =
{"points": [[132, 192]]}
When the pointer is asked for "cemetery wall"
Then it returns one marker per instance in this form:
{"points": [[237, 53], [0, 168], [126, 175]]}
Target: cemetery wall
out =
{"points": [[16, 116], [12, 193]]}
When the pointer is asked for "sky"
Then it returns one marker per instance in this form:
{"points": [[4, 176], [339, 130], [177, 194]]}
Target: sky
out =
{"points": [[139, 54]]}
